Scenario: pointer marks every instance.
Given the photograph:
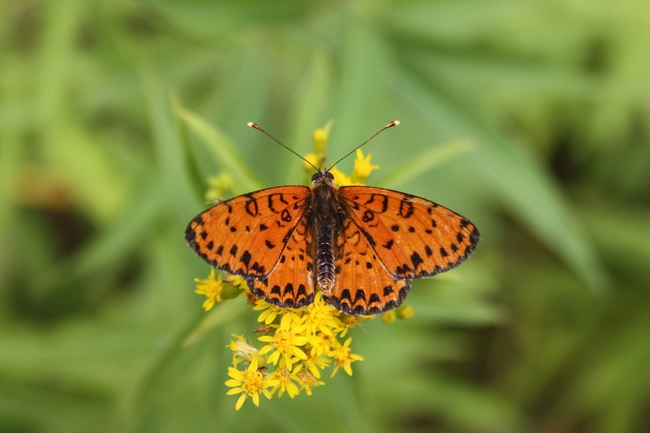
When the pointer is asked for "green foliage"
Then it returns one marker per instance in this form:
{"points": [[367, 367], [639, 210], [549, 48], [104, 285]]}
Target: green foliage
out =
{"points": [[528, 117]]}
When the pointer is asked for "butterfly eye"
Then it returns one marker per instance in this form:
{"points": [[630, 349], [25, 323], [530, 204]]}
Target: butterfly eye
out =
{"points": [[315, 176], [329, 175]]}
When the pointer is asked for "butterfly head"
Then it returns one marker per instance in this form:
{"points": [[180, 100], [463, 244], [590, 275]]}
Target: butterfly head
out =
{"points": [[322, 176]]}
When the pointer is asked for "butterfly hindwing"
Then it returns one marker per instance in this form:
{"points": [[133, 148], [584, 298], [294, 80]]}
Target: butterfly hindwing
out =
{"points": [[290, 283], [363, 285], [246, 235], [412, 237]]}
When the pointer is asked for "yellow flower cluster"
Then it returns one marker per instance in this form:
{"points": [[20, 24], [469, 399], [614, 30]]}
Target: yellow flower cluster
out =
{"points": [[297, 345]]}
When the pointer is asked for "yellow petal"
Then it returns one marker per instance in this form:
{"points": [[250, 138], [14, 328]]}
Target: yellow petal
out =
{"points": [[240, 402]]}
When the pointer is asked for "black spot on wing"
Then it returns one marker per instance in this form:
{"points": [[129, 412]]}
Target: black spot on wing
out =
{"points": [[251, 206], [374, 299], [285, 216], [368, 216], [404, 269], [406, 208], [245, 258], [416, 260]]}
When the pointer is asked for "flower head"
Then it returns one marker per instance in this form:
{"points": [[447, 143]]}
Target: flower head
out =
{"points": [[286, 382], [211, 288], [321, 136], [242, 350], [320, 317], [285, 343], [249, 383], [362, 167], [340, 178], [405, 312], [239, 282], [308, 381], [344, 357]]}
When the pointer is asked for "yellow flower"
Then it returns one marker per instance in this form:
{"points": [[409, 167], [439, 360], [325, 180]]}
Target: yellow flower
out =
{"points": [[321, 136], [314, 161], [249, 383], [362, 167], [321, 317], [239, 282], [350, 322], [313, 364], [340, 178], [308, 381], [285, 342], [404, 312], [242, 350], [271, 312], [389, 316], [285, 381], [211, 288], [321, 344], [343, 357]]}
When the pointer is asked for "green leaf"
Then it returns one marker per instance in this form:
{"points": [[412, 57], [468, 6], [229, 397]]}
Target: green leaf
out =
{"points": [[423, 162], [222, 150]]}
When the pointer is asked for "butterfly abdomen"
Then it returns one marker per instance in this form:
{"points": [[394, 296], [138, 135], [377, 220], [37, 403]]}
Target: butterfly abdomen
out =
{"points": [[324, 213], [325, 269]]}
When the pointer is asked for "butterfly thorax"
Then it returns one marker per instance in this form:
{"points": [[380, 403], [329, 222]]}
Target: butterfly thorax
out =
{"points": [[323, 215]]}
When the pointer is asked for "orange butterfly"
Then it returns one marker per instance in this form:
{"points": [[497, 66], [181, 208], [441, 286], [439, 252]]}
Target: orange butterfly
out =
{"points": [[360, 245]]}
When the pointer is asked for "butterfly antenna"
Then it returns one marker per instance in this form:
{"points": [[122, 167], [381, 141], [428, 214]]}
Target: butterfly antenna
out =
{"points": [[390, 125], [259, 128]]}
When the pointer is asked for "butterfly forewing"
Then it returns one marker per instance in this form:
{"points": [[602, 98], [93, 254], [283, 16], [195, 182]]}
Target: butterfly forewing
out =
{"points": [[246, 235], [411, 236]]}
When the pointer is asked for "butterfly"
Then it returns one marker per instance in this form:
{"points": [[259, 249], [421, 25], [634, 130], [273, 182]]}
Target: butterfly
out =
{"points": [[360, 245]]}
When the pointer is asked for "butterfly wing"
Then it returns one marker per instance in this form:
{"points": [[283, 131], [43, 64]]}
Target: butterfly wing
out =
{"points": [[411, 236], [291, 283], [247, 235], [363, 285]]}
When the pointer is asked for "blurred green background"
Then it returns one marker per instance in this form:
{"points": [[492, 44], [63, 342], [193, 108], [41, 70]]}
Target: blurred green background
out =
{"points": [[529, 117]]}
